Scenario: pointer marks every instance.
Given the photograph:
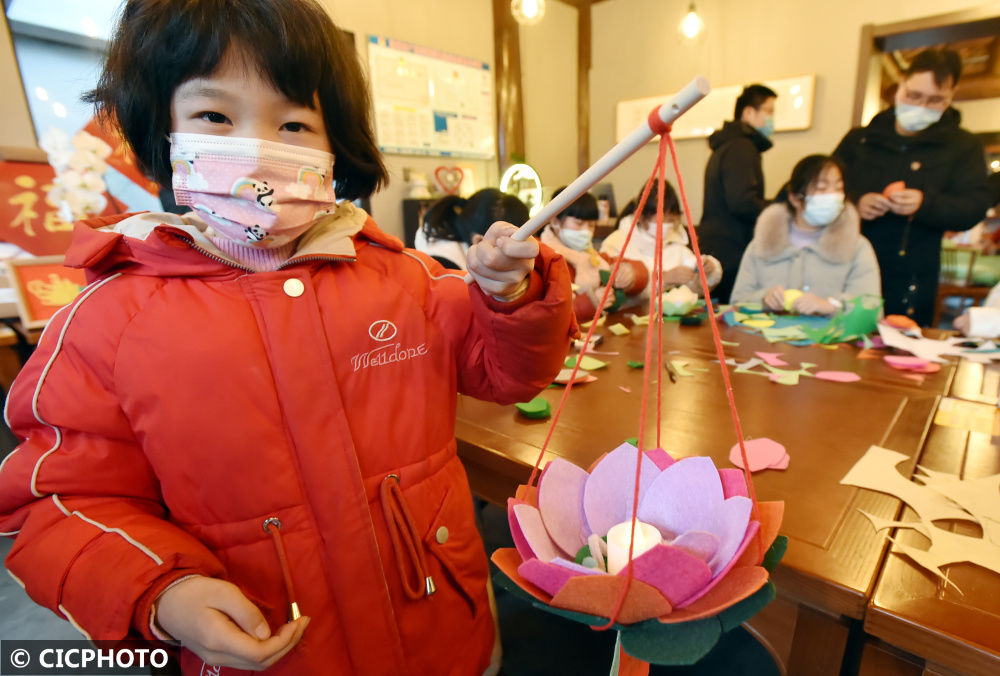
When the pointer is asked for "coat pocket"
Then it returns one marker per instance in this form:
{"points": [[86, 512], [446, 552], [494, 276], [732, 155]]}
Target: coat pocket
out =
{"points": [[454, 542]]}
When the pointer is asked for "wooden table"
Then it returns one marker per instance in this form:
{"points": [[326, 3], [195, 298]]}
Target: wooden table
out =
{"points": [[834, 554], [912, 609]]}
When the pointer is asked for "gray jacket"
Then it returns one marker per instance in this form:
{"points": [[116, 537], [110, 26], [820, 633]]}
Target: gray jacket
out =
{"points": [[841, 264]]}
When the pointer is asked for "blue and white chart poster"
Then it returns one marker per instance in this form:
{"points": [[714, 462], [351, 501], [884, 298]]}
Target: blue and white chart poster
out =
{"points": [[429, 102]]}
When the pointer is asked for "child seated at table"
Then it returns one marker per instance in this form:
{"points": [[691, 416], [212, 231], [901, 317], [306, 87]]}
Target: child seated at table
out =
{"points": [[679, 262], [571, 233], [808, 255]]}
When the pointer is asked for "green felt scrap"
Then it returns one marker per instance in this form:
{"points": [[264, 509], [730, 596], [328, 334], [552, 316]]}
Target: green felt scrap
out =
{"points": [[693, 320], [588, 364], [774, 554], [751, 307], [737, 614], [775, 334], [635, 442], [582, 554], [619, 294], [729, 343], [635, 364], [677, 644], [537, 408]]}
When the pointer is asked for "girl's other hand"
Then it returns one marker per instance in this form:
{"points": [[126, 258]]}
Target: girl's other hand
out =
{"points": [[811, 304], [214, 620], [873, 205], [774, 299], [500, 264], [676, 276], [625, 277]]}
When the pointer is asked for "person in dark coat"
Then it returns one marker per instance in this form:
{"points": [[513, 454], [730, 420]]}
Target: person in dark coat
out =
{"points": [[914, 173], [734, 182]]}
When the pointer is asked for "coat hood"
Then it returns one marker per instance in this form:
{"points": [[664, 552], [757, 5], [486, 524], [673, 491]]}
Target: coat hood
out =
{"points": [[837, 244], [734, 130], [162, 244]]}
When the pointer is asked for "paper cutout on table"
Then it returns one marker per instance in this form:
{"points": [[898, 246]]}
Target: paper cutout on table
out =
{"points": [[772, 358], [857, 319], [588, 363], [600, 322], [787, 376], [762, 453], [979, 497], [639, 320], [626, 390], [838, 376], [925, 348], [678, 301], [619, 329], [632, 364], [564, 375], [916, 364], [752, 306], [968, 415], [729, 343], [684, 368], [595, 340], [791, 295], [537, 408]]}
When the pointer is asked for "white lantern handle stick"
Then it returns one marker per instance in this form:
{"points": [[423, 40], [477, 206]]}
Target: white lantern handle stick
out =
{"points": [[694, 92]]}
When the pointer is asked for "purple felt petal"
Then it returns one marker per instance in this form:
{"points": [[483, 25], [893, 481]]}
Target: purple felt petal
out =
{"points": [[699, 543], [662, 459], [529, 520], [672, 571], [684, 497], [751, 533], [548, 577], [574, 566], [607, 497], [730, 527], [560, 501], [733, 482]]}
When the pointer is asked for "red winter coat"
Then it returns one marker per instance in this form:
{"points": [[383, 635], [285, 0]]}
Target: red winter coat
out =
{"points": [[180, 402]]}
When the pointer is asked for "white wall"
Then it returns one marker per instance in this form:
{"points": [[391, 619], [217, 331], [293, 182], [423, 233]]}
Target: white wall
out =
{"points": [[637, 54], [548, 80], [463, 27]]}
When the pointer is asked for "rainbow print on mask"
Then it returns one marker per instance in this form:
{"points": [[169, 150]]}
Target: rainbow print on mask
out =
{"points": [[258, 192], [309, 184]]}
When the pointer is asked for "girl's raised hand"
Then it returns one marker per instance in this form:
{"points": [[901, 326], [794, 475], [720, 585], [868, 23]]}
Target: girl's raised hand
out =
{"points": [[774, 299], [214, 620], [625, 277], [500, 264]]}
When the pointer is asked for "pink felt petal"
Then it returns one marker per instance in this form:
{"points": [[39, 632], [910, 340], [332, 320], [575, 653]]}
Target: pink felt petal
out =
{"points": [[520, 543], [607, 497], [548, 577], [684, 497], [560, 501], [698, 542], [508, 561], [897, 361], [724, 593], [730, 527], [751, 532], [673, 571], [761, 453], [733, 482], [781, 464], [660, 457], [540, 545], [772, 358], [839, 376]]}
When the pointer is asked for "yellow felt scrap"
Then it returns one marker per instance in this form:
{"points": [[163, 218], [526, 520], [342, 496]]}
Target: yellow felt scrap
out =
{"points": [[619, 329]]}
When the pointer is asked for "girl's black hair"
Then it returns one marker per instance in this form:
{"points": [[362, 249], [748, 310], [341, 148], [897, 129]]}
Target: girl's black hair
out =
{"points": [[484, 208], [440, 219], [160, 44], [671, 205], [805, 173], [584, 207]]}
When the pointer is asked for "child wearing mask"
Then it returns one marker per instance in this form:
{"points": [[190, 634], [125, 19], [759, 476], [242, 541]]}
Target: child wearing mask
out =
{"points": [[243, 427], [679, 262], [571, 233], [808, 244]]}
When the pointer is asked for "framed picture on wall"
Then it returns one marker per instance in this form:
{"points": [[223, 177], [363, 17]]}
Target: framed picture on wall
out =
{"points": [[42, 286]]}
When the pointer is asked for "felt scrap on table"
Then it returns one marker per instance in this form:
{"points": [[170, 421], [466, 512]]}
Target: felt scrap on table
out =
{"points": [[564, 375], [600, 322], [729, 343], [762, 453], [619, 329], [838, 376], [595, 340], [632, 364], [772, 358], [869, 353], [684, 368], [917, 364], [751, 306], [759, 323], [639, 320], [537, 408], [588, 363], [968, 415], [931, 350], [626, 390]]}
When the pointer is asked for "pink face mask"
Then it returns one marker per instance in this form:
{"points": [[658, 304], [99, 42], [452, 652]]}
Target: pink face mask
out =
{"points": [[261, 193]]}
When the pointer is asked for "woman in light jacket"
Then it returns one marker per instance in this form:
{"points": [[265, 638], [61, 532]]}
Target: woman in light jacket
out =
{"points": [[808, 255]]}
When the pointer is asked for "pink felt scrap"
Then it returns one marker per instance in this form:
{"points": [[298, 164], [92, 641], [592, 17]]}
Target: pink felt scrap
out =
{"points": [[772, 358], [529, 522], [761, 453], [551, 577], [660, 457], [608, 494], [560, 502], [916, 364], [782, 463], [626, 390], [733, 482], [508, 560], [839, 376], [565, 375], [673, 571]]}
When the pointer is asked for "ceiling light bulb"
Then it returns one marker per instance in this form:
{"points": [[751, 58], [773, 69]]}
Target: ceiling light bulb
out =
{"points": [[691, 25], [528, 12]]}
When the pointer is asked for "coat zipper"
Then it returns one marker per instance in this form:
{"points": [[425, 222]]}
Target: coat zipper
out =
{"points": [[288, 263]]}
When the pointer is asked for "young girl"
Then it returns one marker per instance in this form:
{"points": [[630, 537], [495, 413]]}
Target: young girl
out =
{"points": [[571, 233], [808, 243], [247, 415], [679, 262], [454, 224]]}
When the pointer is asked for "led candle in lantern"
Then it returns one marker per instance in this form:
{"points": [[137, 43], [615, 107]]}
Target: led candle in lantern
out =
{"points": [[647, 536]]}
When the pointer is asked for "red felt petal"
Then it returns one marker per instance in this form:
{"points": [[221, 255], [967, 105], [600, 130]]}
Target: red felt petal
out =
{"points": [[770, 514], [598, 594]]}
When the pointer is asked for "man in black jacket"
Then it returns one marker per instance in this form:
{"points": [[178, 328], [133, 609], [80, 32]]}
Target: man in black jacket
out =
{"points": [[914, 173], [734, 182]]}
